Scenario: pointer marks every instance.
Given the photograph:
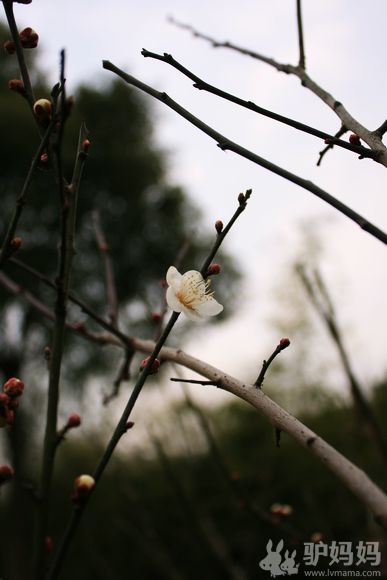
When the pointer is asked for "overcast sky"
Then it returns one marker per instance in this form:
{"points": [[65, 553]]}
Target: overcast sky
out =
{"points": [[346, 48]]}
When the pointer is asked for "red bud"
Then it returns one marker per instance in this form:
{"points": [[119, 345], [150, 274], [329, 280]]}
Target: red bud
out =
{"points": [[13, 387], [213, 270], [29, 38], [284, 343], [155, 367], [219, 226], [74, 420]]}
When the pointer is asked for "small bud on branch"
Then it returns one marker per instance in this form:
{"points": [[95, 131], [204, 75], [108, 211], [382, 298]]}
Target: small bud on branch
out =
{"points": [[13, 387], [74, 420], [219, 226], [29, 38], [155, 367], [43, 111]]}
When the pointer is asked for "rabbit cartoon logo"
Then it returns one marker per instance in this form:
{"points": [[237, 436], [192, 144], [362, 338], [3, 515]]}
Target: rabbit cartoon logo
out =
{"points": [[272, 562]]}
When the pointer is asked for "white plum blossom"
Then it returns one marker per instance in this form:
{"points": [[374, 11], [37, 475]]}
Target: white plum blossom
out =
{"points": [[189, 293]]}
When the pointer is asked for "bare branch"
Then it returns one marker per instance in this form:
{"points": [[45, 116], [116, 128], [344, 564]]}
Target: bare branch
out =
{"points": [[204, 86], [372, 138], [103, 247], [284, 343], [320, 299], [226, 145]]}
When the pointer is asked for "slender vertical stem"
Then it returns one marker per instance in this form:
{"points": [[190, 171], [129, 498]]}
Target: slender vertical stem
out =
{"points": [[50, 439], [21, 199], [8, 7], [301, 61]]}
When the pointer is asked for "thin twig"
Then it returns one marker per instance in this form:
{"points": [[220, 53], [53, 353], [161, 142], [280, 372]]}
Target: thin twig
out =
{"points": [[194, 381], [73, 298], [22, 198], [66, 253], [318, 294], [301, 60], [29, 93], [204, 86], [226, 145], [331, 144], [103, 247], [372, 138], [284, 343], [123, 375]]}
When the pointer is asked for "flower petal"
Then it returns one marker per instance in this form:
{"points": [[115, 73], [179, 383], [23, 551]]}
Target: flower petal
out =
{"points": [[172, 301], [173, 277], [209, 307]]}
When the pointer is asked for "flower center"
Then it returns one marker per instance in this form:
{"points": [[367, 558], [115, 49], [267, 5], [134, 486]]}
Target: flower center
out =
{"points": [[192, 293]]}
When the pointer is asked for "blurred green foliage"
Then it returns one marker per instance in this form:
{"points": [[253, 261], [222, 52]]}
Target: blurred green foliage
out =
{"points": [[191, 506]]}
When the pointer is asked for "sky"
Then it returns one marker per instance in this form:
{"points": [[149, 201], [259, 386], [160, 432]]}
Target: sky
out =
{"points": [[346, 48]]}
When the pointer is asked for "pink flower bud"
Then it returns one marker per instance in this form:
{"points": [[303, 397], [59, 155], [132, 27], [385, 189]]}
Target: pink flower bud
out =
{"points": [[6, 474], [213, 270], [219, 226], [155, 316], [74, 420], [83, 485], [354, 139], [155, 367], [43, 111], [284, 343], [29, 38], [13, 387], [17, 85], [9, 47]]}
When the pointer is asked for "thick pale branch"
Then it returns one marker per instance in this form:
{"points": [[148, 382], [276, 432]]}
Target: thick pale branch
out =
{"points": [[225, 144], [350, 475]]}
